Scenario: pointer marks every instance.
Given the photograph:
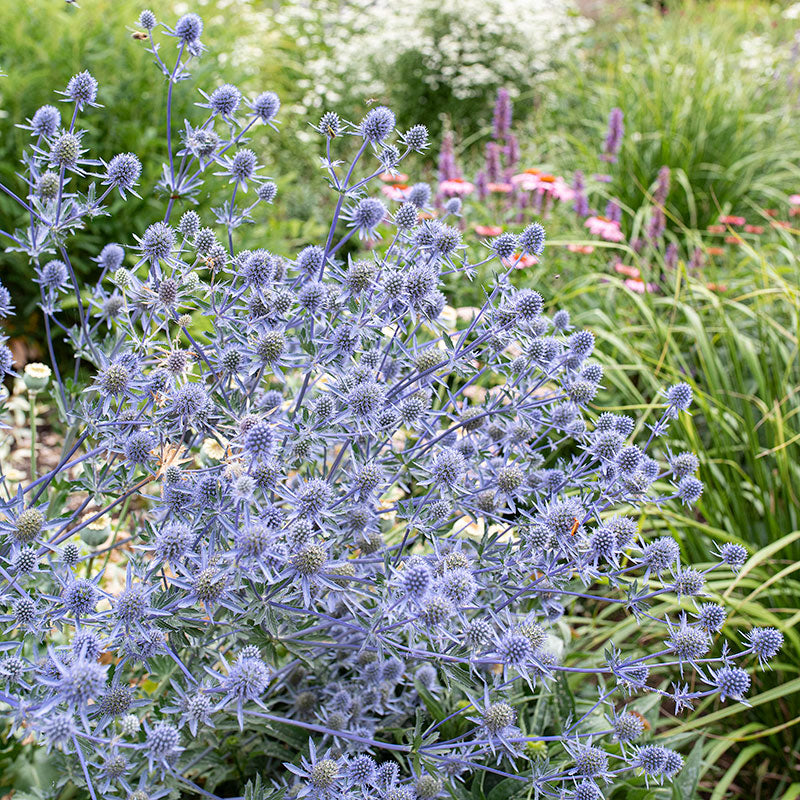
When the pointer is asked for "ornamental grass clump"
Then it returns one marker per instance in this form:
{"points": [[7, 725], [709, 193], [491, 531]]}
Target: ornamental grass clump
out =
{"points": [[349, 523]]}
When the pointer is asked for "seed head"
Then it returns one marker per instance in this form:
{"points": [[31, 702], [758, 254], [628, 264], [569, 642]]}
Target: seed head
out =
{"points": [[28, 525]]}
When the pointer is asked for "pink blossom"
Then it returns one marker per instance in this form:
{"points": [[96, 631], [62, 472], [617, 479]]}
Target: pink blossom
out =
{"points": [[397, 191], [456, 187], [636, 286], [561, 190], [624, 269], [488, 230], [534, 180], [605, 229], [393, 177]]}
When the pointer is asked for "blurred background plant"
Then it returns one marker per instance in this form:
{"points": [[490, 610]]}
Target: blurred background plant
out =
{"points": [[708, 90]]}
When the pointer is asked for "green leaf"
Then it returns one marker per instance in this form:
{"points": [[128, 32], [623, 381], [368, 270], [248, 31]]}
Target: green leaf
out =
{"points": [[685, 784]]}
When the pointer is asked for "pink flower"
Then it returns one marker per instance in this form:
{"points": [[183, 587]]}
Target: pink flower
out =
{"points": [[528, 180], [605, 229], [794, 199], [561, 190], [624, 269], [636, 286], [488, 230], [730, 219], [580, 248], [500, 188], [397, 191], [393, 177], [534, 180], [456, 187]]}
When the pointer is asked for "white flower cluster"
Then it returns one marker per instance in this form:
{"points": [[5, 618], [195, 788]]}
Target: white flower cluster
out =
{"points": [[351, 48], [760, 56]]}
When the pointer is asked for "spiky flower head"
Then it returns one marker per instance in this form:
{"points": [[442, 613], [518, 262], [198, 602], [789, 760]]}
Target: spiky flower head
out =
{"points": [[732, 683], [123, 171], [82, 89], [225, 100], [265, 106], [189, 28], [377, 124]]}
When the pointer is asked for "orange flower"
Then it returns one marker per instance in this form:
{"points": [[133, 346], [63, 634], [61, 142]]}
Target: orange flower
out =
{"points": [[715, 251], [716, 229], [733, 240], [525, 260], [500, 188]]}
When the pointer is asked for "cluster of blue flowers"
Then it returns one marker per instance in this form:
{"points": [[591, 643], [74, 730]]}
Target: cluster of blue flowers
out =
{"points": [[342, 502]]}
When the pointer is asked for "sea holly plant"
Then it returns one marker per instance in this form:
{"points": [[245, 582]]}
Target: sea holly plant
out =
{"points": [[314, 525]]}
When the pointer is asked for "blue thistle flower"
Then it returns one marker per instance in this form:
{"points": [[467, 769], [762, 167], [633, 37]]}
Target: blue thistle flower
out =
{"points": [[377, 124], [123, 172], [265, 106], [189, 28], [82, 90], [53, 275], [111, 257], [157, 242], [731, 682], [366, 215], [147, 20], [765, 643], [225, 100], [46, 121]]}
